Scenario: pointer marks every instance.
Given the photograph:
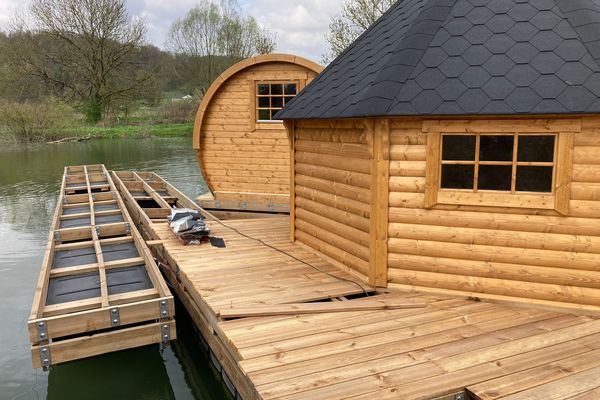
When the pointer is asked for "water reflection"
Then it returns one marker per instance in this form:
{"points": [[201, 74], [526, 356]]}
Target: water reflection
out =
{"points": [[132, 374], [29, 182]]}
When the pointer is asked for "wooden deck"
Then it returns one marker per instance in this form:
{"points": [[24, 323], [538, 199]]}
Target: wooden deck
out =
{"points": [[450, 348], [494, 351]]}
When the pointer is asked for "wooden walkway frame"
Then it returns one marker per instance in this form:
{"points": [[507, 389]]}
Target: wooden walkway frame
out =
{"points": [[452, 348], [110, 322]]}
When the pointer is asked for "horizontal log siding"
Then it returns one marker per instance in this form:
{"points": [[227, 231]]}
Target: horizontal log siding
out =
{"points": [[332, 190], [519, 253], [236, 157]]}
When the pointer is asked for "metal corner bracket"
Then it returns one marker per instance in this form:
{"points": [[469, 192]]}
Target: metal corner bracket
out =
{"points": [[164, 309], [115, 317]]}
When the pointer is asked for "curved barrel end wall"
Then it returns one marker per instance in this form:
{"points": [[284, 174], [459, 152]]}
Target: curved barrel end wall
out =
{"points": [[244, 154]]}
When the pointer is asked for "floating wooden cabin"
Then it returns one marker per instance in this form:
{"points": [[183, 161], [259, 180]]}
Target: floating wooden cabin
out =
{"points": [[99, 289], [243, 151], [464, 158]]}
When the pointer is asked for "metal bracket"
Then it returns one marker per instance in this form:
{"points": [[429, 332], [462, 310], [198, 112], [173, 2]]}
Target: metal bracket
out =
{"points": [[217, 204], [45, 358], [98, 230], [244, 205], [65, 199], [94, 196], [115, 318], [127, 228], [271, 207], [164, 309], [56, 236], [42, 329], [459, 396], [166, 333], [114, 195]]}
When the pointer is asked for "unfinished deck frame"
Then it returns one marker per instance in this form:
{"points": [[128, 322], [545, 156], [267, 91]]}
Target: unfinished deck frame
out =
{"points": [[91, 223], [450, 347]]}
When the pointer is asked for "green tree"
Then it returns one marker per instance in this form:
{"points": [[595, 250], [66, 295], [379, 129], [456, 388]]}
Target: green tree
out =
{"points": [[84, 50], [211, 37], [355, 17]]}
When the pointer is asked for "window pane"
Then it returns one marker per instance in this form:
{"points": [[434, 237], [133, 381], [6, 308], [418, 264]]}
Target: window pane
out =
{"points": [[494, 177], [496, 148], [273, 112], [263, 102], [458, 176], [534, 179], [277, 89], [263, 89], [288, 99], [277, 102], [458, 147], [264, 115], [536, 148], [290, 88]]}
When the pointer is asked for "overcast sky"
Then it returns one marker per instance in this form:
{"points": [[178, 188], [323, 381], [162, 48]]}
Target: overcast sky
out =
{"points": [[300, 24]]}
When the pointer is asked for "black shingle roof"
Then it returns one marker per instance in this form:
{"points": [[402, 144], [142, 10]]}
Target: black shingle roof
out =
{"points": [[464, 57]]}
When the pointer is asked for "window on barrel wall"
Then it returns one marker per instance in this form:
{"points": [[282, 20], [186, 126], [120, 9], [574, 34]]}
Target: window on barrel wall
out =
{"points": [[516, 163], [271, 97]]}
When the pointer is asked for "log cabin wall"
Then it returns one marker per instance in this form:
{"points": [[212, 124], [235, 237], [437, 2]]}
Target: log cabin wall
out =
{"points": [[332, 205], [243, 159], [535, 255]]}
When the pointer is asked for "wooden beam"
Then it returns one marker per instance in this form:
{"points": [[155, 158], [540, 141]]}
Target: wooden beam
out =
{"points": [[291, 129], [313, 308], [88, 346], [380, 173]]}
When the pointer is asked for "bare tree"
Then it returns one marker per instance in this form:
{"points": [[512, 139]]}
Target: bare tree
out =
{"points": [[212, 37], [355, 17], [85, 49]]}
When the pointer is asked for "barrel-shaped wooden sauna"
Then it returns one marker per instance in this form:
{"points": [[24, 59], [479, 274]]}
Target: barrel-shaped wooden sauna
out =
{"points": [[243, 151]]}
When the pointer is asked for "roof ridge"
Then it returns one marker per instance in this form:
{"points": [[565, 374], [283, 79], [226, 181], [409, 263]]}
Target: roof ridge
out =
{"points": [[569, 8], [340, 56], [427, 14]]}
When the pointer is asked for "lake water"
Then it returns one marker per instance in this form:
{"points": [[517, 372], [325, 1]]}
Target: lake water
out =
{"points": [[30, 178]]}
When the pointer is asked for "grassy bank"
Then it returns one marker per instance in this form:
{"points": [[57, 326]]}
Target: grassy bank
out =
{"points": [[128, 131], [50, 120], [99, 132]]}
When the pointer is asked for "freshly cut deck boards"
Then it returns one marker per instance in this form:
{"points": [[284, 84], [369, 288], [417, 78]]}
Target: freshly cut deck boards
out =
{"points": [[452, 345], [98, 278]]}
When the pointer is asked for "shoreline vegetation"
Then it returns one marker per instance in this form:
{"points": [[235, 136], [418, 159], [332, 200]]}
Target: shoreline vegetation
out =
{"points": [[51, 121], [82, 133]]}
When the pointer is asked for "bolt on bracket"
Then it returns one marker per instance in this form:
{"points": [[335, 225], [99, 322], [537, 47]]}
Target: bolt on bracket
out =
{"points": [[42, 329], [164, 309], [115, 318], [45, 358], [166, 333]]}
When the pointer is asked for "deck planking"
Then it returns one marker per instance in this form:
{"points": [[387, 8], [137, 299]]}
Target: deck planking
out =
{"points": [[490, 351]]}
